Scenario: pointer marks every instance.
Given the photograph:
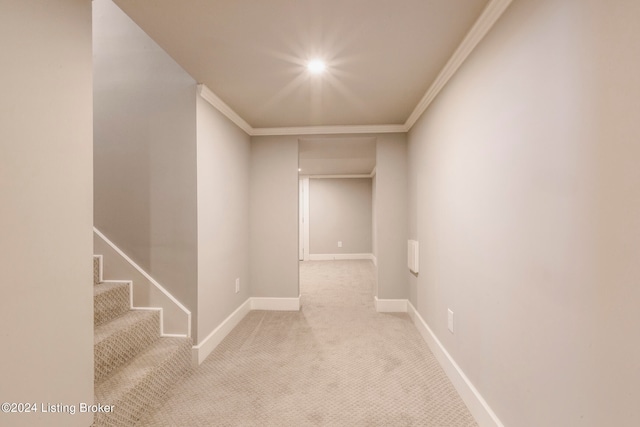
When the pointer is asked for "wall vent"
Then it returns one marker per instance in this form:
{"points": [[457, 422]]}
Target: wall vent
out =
{"points": [[413, 261]]}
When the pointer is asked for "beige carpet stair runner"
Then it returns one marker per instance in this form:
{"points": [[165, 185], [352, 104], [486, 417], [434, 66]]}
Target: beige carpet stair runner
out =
{"points": [[134, 365]]}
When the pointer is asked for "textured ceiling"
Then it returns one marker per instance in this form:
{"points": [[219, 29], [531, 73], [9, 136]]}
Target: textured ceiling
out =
{"points": [[382, 55]]}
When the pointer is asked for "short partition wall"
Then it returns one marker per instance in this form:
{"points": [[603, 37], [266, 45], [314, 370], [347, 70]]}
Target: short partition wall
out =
{"points": [[145, 290]]}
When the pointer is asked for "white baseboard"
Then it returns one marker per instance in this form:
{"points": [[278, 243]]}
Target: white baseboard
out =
{"points": [[203, 349], [478, 407], [390, 305], [275, 304], [332, 257]]}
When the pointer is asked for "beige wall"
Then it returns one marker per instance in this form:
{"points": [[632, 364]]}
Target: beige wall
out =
{"points": [[145, 153], [613, 130], [223, 217], [525, 200], [340, 210], [391, 215], [46, 308], [273, 213]]}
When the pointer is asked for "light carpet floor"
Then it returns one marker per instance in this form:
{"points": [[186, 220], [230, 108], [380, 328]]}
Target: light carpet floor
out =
{"points": [[335, 363]]}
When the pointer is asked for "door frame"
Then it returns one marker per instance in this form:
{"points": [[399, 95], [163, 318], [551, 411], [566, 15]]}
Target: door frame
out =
{"points": [[303, 219]]}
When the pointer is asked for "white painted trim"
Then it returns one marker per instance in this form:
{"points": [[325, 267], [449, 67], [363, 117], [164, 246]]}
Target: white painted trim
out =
{"points": [[133, 307], [478, 407], [300, 219], [221, 106], [205, 348], [306, 229], [489, 16], [217, 103], [339, 176], [148, 277], [329, 130], [374, 259], [390, 305], [373, 171], [332, 257], [275, 304], [200, 352]]}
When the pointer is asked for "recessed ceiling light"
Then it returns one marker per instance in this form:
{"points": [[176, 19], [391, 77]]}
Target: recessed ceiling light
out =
{"points": [[316, 66], [299, 170]]}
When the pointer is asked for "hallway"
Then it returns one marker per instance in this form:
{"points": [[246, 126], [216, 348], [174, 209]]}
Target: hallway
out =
{"points": [[335, 363]]}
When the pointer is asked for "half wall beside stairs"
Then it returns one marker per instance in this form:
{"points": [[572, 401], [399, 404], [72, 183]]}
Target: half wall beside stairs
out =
{"points": [[176, 318], [133, 364]]}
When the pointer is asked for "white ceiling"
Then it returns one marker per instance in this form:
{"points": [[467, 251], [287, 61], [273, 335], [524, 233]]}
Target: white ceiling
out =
{"points": [[382, 55]]}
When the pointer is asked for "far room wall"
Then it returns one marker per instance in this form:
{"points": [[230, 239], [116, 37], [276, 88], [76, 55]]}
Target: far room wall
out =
{"points": [[340, 211]]}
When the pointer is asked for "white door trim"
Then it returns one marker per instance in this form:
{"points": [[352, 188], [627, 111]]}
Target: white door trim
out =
{"points": [[305, 217]]}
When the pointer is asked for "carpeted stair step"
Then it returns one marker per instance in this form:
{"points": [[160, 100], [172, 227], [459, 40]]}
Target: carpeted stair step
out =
{"points": [[120, 340], [140, 385], [110, 300]]}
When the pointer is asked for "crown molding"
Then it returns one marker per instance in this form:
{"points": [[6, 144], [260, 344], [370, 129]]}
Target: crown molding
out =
{"points": [[342, 176], [488, 17], [353, 175], [485, 22], [330, 130], [221, 106], [227, 111]]}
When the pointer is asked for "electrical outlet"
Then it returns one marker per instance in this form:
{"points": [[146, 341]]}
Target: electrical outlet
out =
{"points": [[339, 243], [237, 285], [450, 320]]}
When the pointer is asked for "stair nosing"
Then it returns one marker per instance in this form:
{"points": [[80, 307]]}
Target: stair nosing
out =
{"points": [[110, 300], [173, 343], [112, 327], [133, 363]]}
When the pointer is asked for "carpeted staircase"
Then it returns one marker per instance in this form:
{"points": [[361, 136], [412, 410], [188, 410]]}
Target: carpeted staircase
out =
{"points": [[133, 365]]}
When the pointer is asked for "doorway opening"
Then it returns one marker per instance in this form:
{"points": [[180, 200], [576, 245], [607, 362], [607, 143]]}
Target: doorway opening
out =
{"points": [[337, 199]]}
